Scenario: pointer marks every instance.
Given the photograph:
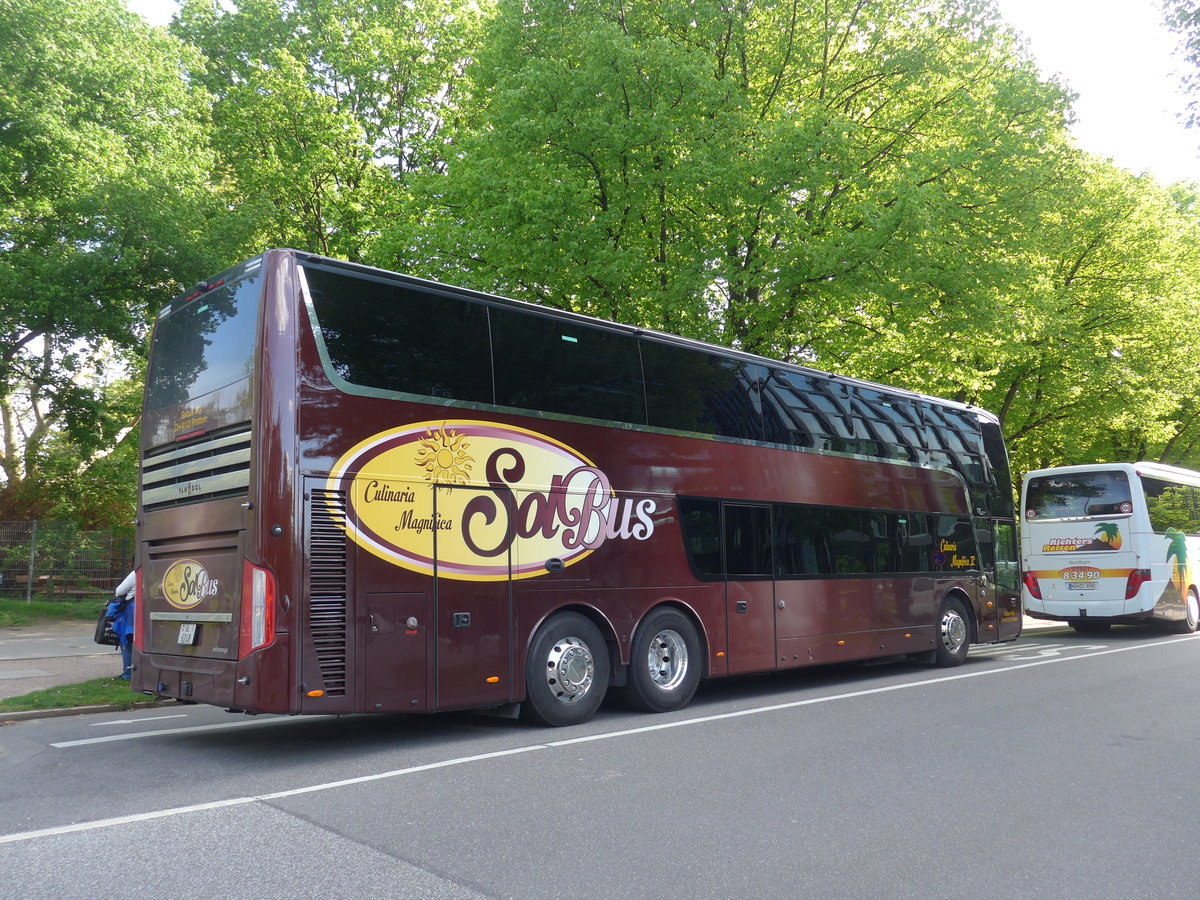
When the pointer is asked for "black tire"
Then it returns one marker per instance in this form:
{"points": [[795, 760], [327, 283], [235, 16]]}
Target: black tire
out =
{"points": [[665, 663], [566, 673], [1087, 626], [1188, 623], [953, 633]]}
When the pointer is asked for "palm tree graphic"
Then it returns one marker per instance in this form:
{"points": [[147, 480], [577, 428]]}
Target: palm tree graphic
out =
{"points": [[1177, 548], [1108, 531]]}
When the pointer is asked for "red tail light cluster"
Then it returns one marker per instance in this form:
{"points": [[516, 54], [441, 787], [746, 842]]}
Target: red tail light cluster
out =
{"points": [[258, 609], [1137, 578], [1031, 585]]}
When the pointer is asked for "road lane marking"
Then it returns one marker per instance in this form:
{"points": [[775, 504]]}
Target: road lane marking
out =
{"points": [[134, 735], [137, 721], [548, 745]]}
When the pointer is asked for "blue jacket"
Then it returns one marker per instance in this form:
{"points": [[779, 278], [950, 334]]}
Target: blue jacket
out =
{"points": [[121, 608]]}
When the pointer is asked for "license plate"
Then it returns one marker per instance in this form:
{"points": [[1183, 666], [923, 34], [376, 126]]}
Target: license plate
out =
{"points": [[187, 634], [1081, 578]]}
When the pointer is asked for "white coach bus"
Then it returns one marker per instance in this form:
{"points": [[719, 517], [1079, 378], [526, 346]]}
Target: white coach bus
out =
{"points": [[1111, 543]]}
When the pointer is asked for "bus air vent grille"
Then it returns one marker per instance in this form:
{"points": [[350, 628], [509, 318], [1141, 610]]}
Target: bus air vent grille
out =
{"points": [[327, 586], [208, 468]]}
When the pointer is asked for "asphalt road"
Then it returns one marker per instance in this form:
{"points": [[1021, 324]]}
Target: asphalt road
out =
{"points": [[1059, 766]]}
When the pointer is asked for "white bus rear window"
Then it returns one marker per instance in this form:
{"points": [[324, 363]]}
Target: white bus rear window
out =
{"points": [[1078, 494]]}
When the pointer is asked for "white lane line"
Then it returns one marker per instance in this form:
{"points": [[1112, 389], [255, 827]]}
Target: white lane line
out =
{"points": [[136, 721], [242, 801], [134, 735], [499, 754]]}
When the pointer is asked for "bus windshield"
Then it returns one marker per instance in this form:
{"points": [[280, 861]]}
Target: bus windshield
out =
{"points": [[203, 345], [1078, 494]]}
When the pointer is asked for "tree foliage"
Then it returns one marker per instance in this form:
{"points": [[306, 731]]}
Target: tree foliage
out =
{"points": [[881, 188], [102, 175], [324, 108]]}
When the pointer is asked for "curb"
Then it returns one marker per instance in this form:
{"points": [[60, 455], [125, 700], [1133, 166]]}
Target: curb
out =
{"points": [[9, 718]]}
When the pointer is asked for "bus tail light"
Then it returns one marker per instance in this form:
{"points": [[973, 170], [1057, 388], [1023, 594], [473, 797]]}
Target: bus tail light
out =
{"points": [[1137, 578], [138, 607], [258, 609], [1031, 585]]}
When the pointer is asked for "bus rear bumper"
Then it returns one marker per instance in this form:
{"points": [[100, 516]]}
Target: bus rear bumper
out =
{"points": [[256, 684], [1104, 611]]}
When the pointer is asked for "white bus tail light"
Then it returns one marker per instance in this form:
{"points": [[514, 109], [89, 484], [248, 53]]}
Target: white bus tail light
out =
{"points": [[1137, 578], [258, 609], [1031, 585]]}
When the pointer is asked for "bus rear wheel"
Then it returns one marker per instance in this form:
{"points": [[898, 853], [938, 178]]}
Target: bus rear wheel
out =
{"points": [[953, 634], [566, 673], [1188, 624], [665, 665]]}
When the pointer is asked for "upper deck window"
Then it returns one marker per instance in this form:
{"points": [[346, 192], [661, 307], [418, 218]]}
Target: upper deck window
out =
{"points": [[1078, 494], [203, 344]]}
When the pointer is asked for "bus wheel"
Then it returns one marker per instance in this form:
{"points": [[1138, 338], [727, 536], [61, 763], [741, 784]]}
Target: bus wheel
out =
{"points": [[1188, 624], [666, 665], [954, 634], [566, 673]]}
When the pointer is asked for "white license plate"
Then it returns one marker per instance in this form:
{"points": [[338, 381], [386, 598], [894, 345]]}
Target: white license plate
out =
{"points": [[187, 634]]}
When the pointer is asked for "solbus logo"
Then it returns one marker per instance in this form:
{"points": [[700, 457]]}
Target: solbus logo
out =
{"points": [[481, 501], [186, 583]]}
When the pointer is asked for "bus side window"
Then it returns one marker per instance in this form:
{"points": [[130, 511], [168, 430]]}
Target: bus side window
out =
{"points": [[700, 521], [747, 540]]}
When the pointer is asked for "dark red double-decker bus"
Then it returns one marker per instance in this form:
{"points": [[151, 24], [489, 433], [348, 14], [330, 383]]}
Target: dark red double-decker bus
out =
{"points": [[365, 492]]}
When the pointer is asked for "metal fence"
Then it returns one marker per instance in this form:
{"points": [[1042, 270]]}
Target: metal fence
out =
{"points": [[57, 561]]}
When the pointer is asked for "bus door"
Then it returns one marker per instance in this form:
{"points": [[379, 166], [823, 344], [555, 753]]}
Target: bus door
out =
{"points": [[473, 611], [1000, 587], [749, 588]]}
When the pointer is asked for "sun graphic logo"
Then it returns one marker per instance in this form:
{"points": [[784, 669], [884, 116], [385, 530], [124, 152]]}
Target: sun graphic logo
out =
{"points": [[443, 455]]}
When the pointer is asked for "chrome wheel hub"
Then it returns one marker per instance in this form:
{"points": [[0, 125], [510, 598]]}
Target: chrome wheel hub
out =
{"points": [[570, 669], [954, 630], [667, 659]]}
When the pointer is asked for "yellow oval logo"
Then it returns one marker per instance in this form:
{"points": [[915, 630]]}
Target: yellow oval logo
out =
{"points": [[186, 583], [481, 501]]}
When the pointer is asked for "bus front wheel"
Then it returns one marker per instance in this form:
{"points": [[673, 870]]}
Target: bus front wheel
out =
{"points": [[665, 663], [954, 634], [566, 673]]}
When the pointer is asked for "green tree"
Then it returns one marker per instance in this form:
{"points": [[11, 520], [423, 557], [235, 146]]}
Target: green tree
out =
{"points": [[325, 108], [1097, 363], [103, 197], [796, 179]]}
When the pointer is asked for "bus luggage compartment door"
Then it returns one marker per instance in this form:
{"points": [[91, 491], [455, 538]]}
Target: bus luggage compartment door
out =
{"points": [[472, 606], [397, 627]]}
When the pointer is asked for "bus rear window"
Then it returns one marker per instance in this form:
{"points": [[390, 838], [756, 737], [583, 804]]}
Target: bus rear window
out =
{"points": [[203, 345], [1078, 494]]}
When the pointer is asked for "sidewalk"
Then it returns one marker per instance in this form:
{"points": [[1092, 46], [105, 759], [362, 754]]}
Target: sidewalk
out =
{"points": [[36, 657]]}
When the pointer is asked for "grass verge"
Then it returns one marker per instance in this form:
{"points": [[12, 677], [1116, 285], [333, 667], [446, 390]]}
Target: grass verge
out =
{"points": [[100, 692], [14, 611]]}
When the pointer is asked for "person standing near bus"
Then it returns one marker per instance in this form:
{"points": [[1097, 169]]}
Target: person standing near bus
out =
{"points": [[121, 609]]}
